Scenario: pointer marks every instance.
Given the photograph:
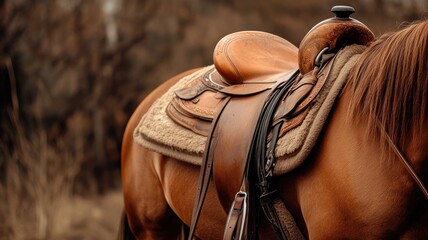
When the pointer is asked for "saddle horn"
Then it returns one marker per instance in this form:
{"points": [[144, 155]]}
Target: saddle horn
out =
{"points": [[333, 33]]}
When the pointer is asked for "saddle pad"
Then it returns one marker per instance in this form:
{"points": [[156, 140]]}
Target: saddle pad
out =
{"points": [[157, 132]]}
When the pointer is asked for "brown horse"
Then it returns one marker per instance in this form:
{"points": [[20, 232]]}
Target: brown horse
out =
{"points": [[352, 186]]}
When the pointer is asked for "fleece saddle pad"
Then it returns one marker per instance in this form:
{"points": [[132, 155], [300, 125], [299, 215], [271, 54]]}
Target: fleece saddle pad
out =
{"points": [[157, 132]]}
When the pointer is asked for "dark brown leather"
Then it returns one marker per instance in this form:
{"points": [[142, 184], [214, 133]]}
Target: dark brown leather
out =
{"points": [[334, 33], [247, 57]]}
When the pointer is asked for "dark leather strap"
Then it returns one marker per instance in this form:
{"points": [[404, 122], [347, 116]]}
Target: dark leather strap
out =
{"points": [[263, 161], [205, 174], [409, 168], [404, 161], [268, 193]]}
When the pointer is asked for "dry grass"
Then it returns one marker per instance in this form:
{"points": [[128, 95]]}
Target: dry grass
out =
{"points": [[91, 218], [38, 179], [36, 200], [36, 184]]}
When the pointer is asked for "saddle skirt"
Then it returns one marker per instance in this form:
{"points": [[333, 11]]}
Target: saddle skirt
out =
{"points": [[157, 131]]}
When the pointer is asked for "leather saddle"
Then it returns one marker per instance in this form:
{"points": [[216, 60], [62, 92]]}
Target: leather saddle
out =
{"points": [[240, 73], [247, 67], [250, 62], [226, 103], [236, 72]]}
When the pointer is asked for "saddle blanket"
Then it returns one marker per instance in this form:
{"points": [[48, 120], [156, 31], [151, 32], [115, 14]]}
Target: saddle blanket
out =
{"points": [[157, 132]]}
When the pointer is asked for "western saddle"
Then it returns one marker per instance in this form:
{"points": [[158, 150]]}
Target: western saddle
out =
{"points": [[260, 87]]}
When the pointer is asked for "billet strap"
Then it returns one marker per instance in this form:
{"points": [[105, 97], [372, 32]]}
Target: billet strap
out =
{"points": [[204, 174]]}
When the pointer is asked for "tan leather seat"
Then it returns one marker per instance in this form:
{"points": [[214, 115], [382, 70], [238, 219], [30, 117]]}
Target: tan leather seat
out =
{"points": [[249, 56]]}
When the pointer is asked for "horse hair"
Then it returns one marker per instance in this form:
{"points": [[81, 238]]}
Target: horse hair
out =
{"points": [[389, 85]]}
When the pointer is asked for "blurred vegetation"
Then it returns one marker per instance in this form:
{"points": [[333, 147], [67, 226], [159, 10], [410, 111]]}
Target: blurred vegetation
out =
{"points": [[72, 72]]}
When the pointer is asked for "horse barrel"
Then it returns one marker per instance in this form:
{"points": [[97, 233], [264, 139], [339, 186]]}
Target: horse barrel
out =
{"points": [[333, 33]]}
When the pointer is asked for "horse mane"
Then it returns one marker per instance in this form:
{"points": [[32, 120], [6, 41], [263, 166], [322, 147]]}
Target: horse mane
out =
{"points": [[389, 85]]}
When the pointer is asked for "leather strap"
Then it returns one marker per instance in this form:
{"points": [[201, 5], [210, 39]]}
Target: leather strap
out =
{"points": [[268, 194], [264, 162], [409, 168], [404, 161], [204, 174]]}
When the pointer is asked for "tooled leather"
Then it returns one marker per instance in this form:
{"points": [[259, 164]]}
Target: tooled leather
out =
{"points": [[214, 80], [205, 106], [228, 163], [258, 85], [198, 126], [332, 33], [192, 90], [211, 80]]}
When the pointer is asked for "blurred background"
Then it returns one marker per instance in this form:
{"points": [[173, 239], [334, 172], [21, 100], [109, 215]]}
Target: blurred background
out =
{"points": [[72, 72]]}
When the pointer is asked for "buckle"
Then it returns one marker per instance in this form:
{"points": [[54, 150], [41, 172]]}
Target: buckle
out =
{"points": [[239, 211]]}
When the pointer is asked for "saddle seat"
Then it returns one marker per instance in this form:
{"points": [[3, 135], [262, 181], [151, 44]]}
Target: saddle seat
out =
{"points": [[250, 57]]}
